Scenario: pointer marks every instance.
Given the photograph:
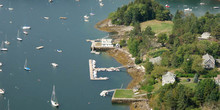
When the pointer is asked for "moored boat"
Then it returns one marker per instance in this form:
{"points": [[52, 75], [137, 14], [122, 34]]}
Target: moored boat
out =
{"points": [[54, 64], [53, 99], [2, 91], [39, 47]]}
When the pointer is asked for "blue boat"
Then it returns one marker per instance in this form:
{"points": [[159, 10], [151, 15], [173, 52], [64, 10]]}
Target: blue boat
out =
{"points": [[58, 50], [25, 66]]}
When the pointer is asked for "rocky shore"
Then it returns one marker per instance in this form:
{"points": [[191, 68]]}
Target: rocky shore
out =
{"points": [[125, 58]]}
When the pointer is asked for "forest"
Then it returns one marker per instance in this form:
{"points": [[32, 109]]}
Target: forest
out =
{"points": [[181, 52], [139, 11]]}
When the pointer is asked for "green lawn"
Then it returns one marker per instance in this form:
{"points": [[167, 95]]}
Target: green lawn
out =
{"points": [[158, 26], [123, 93], [188, 84]]}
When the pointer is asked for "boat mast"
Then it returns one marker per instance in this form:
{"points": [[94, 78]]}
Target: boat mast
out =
{"points": [[8, 105]]}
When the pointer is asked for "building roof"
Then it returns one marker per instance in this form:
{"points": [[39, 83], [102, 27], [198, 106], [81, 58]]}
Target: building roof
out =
{"points": [[169, 74], [155, 60], [217, 79], [205, 35], [169, 77], [217, 60], [208, 57]]}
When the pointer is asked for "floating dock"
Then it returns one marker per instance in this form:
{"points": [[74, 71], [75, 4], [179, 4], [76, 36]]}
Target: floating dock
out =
{"points": [[93, 72]]}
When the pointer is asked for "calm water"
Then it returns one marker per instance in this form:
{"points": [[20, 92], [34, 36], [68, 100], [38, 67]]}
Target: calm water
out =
{"points": [[32, 90]]}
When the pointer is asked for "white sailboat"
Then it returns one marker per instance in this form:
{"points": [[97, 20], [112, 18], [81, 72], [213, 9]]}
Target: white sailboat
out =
{"points": [[18, 38], [53, 100], [25, 66], [91, 13], [3, 48], [6, 41]]}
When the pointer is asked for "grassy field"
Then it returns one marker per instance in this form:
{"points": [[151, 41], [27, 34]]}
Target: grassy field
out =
{"points": [[158, 26], [123, 93]]}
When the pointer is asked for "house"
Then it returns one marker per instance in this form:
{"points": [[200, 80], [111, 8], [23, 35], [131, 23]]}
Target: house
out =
{"points": [[168, 78], [155, 60], [106, 42], [205, 35], [217, 79], [208, 61]]}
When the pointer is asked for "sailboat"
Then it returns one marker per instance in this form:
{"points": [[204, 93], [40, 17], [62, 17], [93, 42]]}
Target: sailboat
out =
{"points": [[18, 38], [53, 100], [25, 66], [91, 14], [6, 41], [3, 48]]}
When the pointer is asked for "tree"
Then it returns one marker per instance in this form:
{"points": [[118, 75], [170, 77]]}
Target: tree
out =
{"points": [[206, 90], [148, 67], [196, 78], [197, 64], [215, 32], [158, 71], [122, 43], [162, 38], [133, 46]]}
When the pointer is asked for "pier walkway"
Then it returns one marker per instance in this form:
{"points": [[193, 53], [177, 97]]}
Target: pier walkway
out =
{"points": [[93, 70]]}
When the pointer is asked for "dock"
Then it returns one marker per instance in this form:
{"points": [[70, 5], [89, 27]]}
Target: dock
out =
{"points": [[93, 70]]}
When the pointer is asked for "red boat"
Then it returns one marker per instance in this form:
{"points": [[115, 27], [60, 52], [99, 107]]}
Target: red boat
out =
{"points": [[167, 6]]}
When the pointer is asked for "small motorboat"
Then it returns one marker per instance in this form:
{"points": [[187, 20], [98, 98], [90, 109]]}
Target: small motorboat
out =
{"points": [[1, 5], [26, 27], [25, 32], [0, 63], [58, 50], [86, 20], [10, 9], [167, 6], [2, 91], [91, 14], [7, 42], [187, 9], [202, 3], [39, 47], [86, 17], [54, 64], [50, 1], [46, 18], [64, 18], [101, 4], [215, 7]]}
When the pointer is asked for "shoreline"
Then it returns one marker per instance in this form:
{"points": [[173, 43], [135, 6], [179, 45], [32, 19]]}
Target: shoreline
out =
{"points": [[122, 56]]}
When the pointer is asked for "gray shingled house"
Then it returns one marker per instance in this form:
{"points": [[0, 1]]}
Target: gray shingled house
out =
{"points": [[208, 61], [168, 78]]}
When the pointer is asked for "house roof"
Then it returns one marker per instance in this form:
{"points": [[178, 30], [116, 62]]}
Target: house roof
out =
{"points": [[155, 60], [218, 60], [169, 75], [217, 78], [208, 57], [205, 35]]}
